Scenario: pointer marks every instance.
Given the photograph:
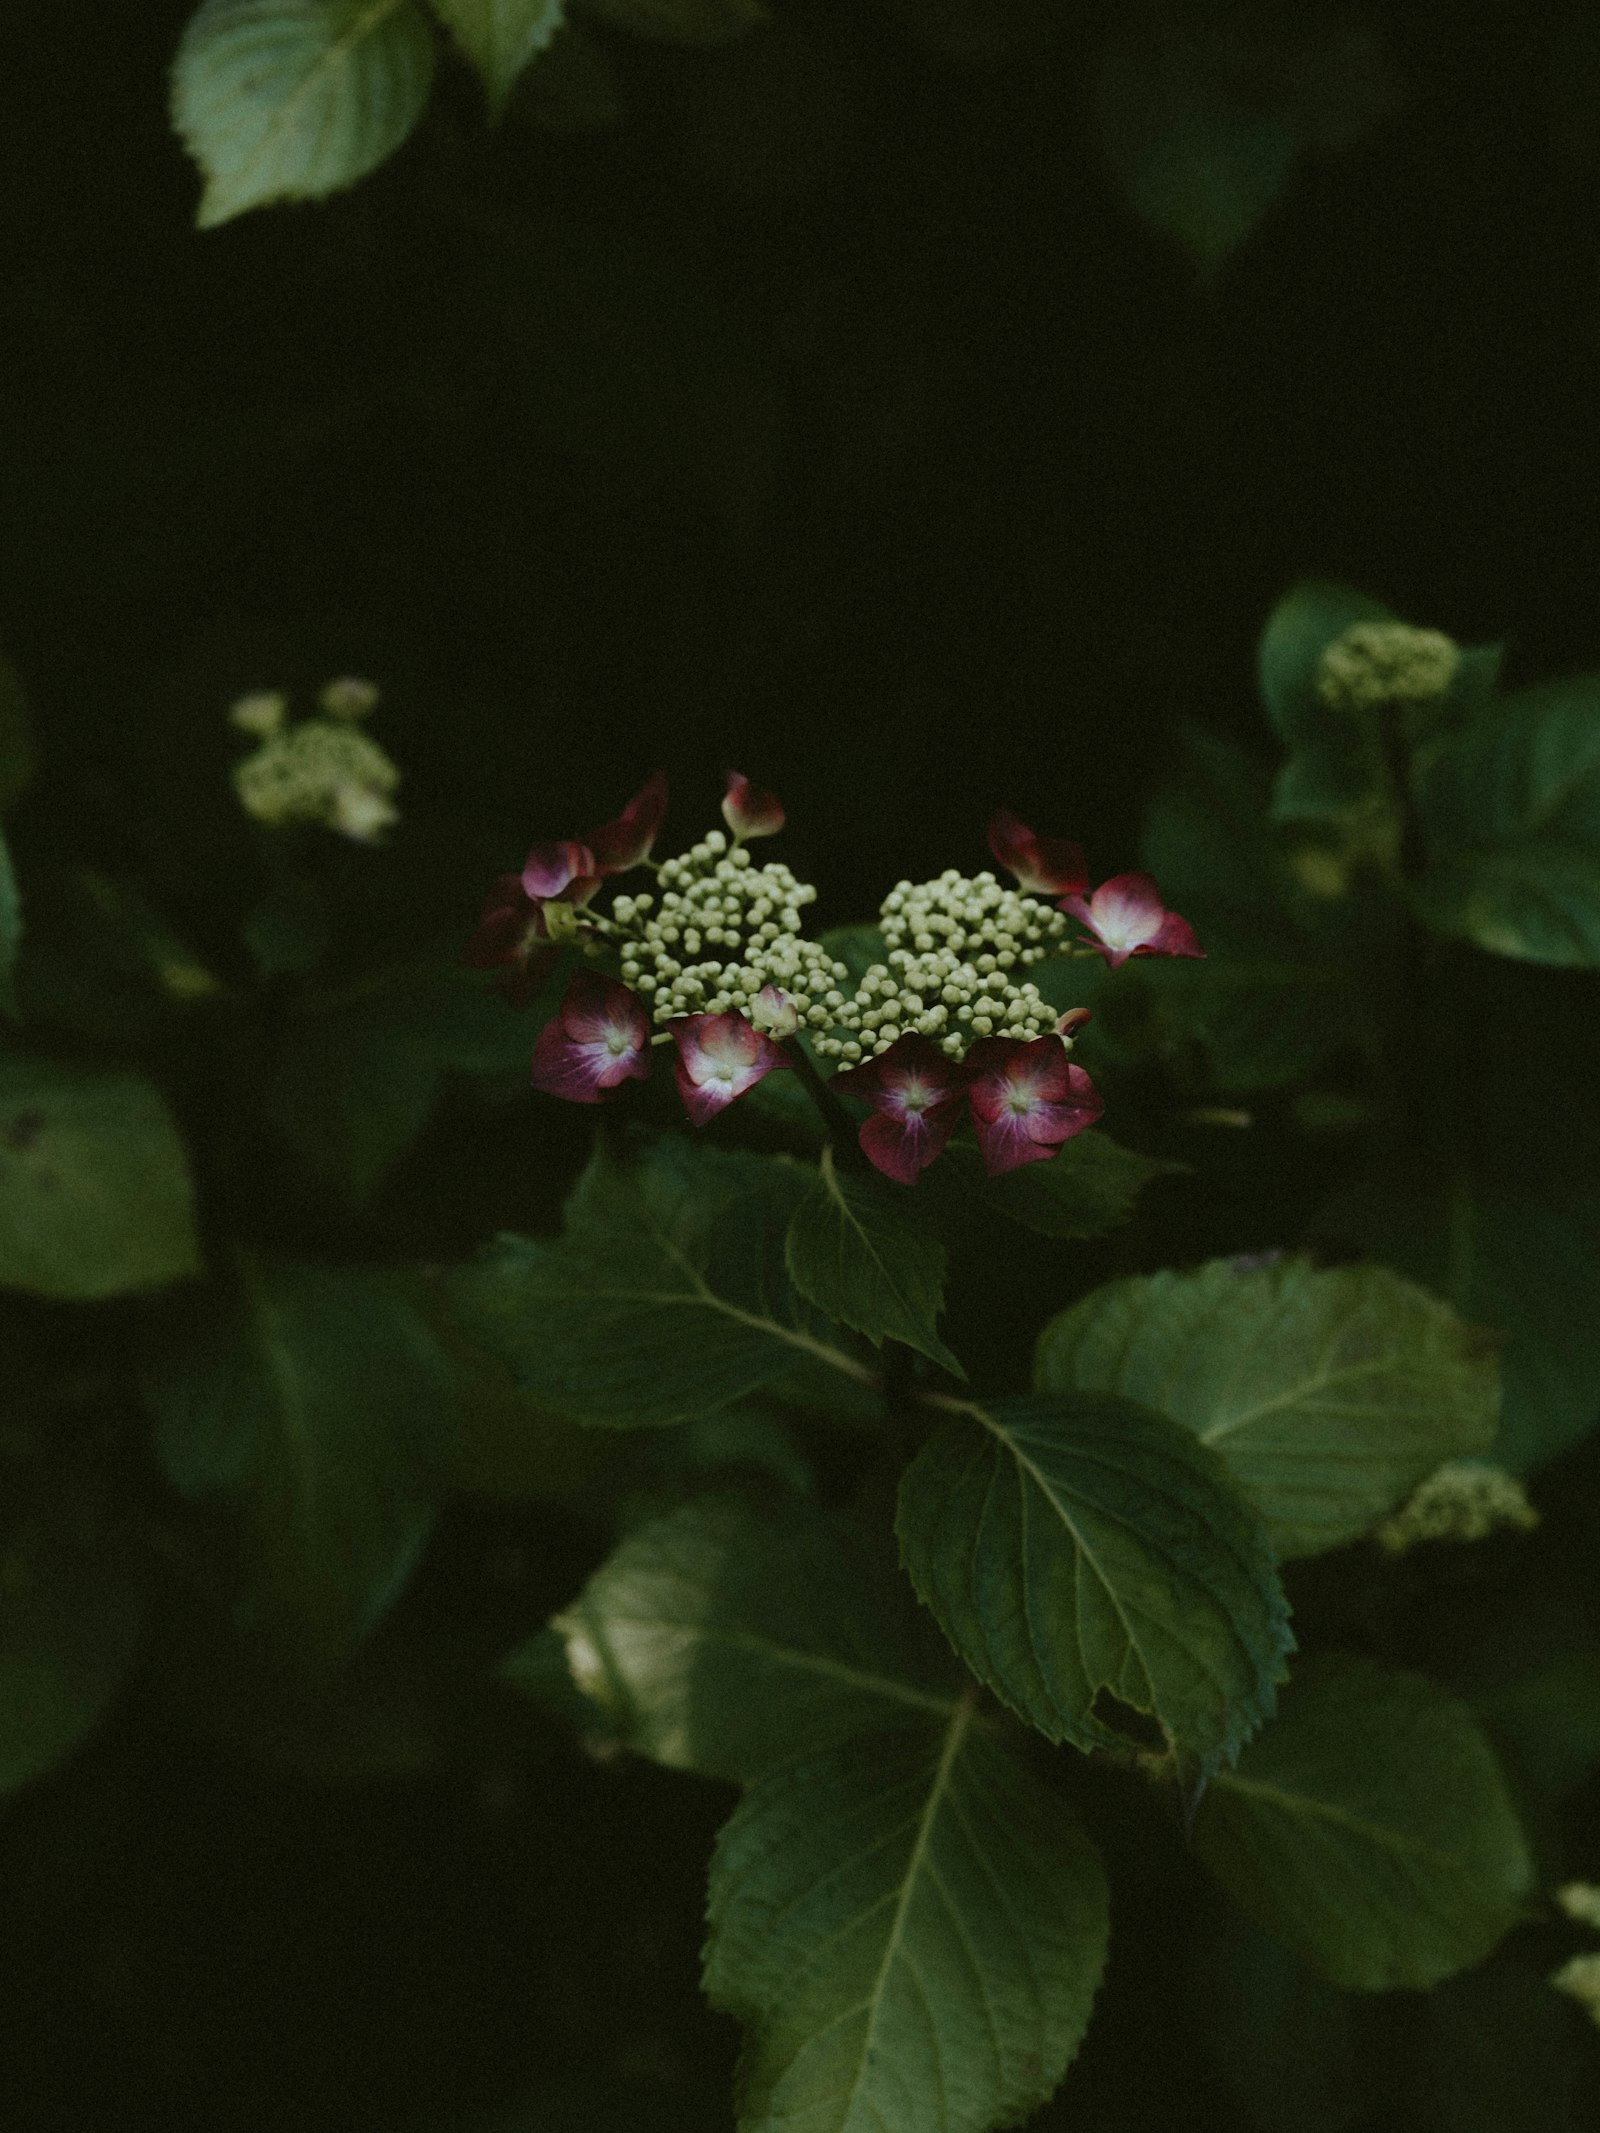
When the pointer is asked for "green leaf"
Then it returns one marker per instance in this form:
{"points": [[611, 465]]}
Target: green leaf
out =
{"points": [[70, 1617], [854, 1254], [734, 1637], [360, 1071], [1088, 1187], [95, 1195], [1074, 1544], [666, 1298], [295, 99], [912, 1933], [1370, 1828], [500, 37], [1547, 1723], [1196, 160], [1329, 1394], [10, 932], [682, 21], [1510, 806], [320, 1401]]}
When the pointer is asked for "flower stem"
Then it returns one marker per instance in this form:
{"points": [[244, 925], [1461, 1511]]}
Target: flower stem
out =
{"points": [[840, 1125]]}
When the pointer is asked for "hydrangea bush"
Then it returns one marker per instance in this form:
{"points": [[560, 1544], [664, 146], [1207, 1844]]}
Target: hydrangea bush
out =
{"points": [[981, 1480]]}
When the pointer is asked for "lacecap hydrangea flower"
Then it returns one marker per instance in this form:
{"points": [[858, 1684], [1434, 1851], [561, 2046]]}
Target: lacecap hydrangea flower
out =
{"points": [[714, 960]]}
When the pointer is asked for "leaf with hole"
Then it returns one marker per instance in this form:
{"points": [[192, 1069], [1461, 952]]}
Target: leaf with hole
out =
{"points": [[1074, 1545]]}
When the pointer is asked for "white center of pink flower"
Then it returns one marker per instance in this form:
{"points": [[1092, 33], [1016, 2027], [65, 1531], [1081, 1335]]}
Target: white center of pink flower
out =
{"points": [[618, 1041], [1121, 923]]}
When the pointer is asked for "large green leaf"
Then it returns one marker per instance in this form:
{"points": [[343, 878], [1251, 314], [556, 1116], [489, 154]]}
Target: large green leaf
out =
{"points": [[861, 1260], [70, 1615], [1370, 1828], [294, 99], [732, 1637], [319, 1401], [912, 1931], [1329, 1393], [1074, 1544], [1511, 809], [10, 932], [500, 37], [95, 1195], [665, 1298]]}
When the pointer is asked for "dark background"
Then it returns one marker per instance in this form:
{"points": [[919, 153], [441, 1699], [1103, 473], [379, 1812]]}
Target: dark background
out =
{"points": [[831, 416]]}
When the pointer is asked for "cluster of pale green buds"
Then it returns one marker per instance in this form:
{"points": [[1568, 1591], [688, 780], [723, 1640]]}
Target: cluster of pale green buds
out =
{"points": [[720, 934], [1463, 1500], [954, 946]]}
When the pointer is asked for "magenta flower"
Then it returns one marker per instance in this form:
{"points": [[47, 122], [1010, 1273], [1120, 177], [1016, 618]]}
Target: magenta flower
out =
{"points": [[1125, 916], [1050, 866], [623, 842], [719, 1057], [513, 937], [600, 1037], [915, 1093], [566, 870], [1026, 1098], [748, 810]]}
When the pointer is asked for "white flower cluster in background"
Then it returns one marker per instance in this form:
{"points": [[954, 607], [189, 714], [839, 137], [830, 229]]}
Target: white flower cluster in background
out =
{"points": [[320, 770], [956, 947], [1375, 663], [720, 930]]}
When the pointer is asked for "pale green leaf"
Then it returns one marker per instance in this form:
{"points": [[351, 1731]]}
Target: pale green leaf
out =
{"points": [[682, 21], [1074, 1544], [665, 1299], [295, 99], [95, 1194], [912, 1931], [1511, 809], [321, 1403], [1370, 1828], [860, 1259], [1329, 1393], [731, 1637], [500, 37], [10, 932]]}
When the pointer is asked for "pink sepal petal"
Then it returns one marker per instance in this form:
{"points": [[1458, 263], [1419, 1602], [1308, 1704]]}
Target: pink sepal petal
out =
{"points": [[1049, 866], [915, 1092], [749, 810], [1075, 1019], [1026, 1098], [599, 1038], [550, 870], [513, 938], [1125, 916], [621, 843], [719, 1057]]}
